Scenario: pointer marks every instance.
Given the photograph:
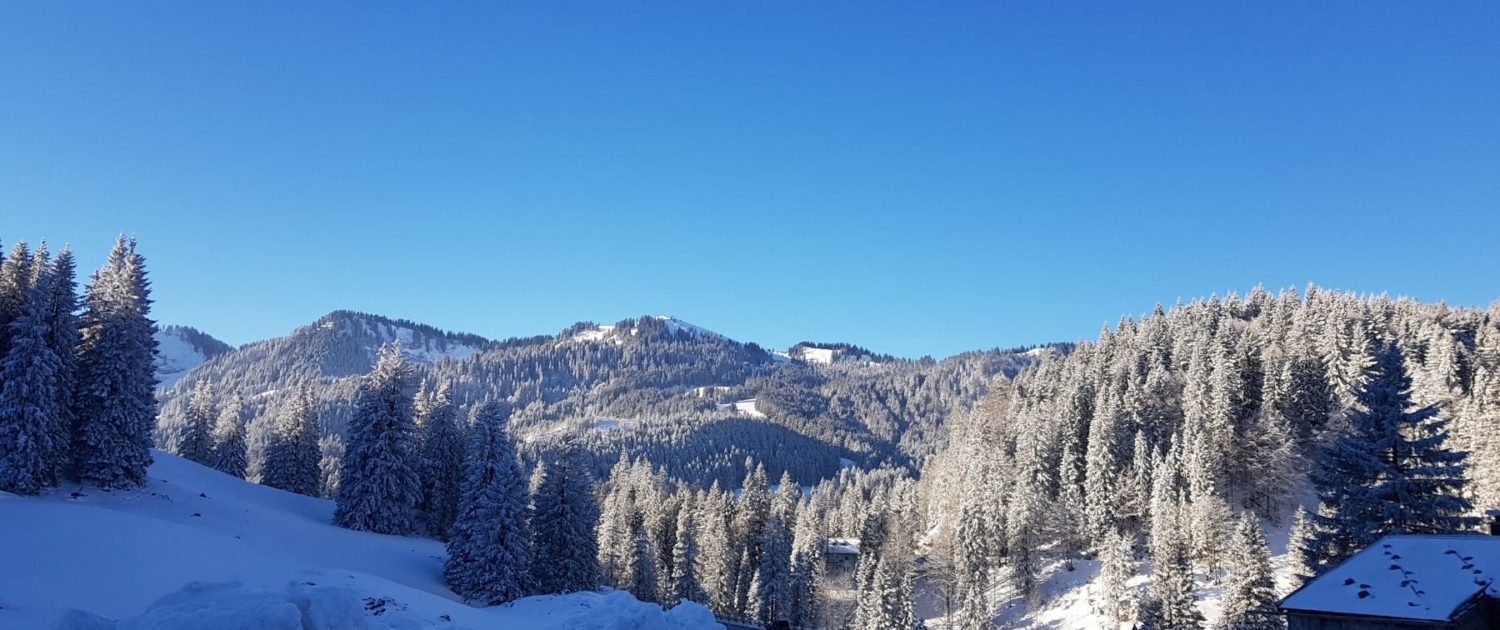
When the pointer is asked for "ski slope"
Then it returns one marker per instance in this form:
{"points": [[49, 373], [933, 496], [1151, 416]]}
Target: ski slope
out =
{"points": [[114, 554]]}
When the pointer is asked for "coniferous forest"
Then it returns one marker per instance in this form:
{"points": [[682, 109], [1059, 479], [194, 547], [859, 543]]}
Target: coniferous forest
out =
{"points": [[828, 486]]}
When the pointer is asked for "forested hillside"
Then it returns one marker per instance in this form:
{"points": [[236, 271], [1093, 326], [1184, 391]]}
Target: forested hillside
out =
{"points": [[1148, 442], [692, 401]]}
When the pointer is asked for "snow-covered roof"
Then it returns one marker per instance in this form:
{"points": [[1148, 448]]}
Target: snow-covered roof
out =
{"points": [[1418, 577], [843, 545]]}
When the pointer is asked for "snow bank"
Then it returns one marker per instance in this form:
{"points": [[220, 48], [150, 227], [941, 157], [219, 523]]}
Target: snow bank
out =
{"points": [[238, 546], [231, 606]]}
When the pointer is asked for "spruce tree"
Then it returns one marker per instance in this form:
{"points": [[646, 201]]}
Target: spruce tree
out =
{"points": [[715, 558], [1392, 472], [774, 574], [642, 577], [28, 401], [196, 443], [117, 374], [808, 547], [564, 551], [1250, 594], [230, 454], [59, 287], [487, 554], [378, 484], [1117, 602], [292, 456], [685, 559], [442, 456], [330, 465]]}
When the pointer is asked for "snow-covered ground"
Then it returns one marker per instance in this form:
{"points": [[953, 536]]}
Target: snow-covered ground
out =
{"points": [[115, 553], [1071, 598], [815, 355], [747, 407]]}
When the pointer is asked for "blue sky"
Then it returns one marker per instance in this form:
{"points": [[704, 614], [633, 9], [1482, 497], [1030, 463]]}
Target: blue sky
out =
{"points": [[918, 178]]}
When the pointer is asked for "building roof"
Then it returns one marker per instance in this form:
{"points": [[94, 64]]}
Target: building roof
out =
{"points": [[842, 546], [1418, 577]]}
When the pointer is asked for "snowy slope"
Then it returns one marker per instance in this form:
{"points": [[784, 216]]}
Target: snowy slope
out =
{"points": [[180, 349], [115, 553], [1072, 598]]}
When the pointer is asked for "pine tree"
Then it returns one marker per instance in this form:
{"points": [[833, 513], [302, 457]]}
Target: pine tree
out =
{"points": [[487, 554], [564, 551], [117, 374], [292, 456], [442, 456], [889, 606], [774, 574], [1302, 556], [1250, 595], [229, 445], [28, 401], [808, 547], [197, 439], [330, 465], [642, 577], [1170, 603], [378, 485], [715, 561], [685, 559], [753, 509], [1391, 473], [60, 290], [1117, 601]]}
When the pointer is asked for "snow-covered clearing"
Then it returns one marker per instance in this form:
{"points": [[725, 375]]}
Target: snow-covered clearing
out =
{"points": [[747, 407], [115, 553]]}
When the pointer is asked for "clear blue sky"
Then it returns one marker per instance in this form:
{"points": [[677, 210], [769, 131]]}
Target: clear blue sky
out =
{"points": [[920, 178]]}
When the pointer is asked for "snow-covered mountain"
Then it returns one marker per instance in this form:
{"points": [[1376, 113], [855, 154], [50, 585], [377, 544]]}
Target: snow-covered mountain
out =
{"points": [[587, 332], [180, 349], [266, 559]]}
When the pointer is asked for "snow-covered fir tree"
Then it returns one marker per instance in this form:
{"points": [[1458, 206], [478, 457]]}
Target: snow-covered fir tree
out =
{"points": [[1116, 599], [196, 441], [116, 397], [28, 400], [773, 576], [1250, 592], [378, 484], [890, 603], [807, 569], [641, 578], [330, 465], [1392, 472], [487, 547], [59, 287], [230, 455], [441, 460], [564, 549], [716, 558], [685, 585], [291, 458]]}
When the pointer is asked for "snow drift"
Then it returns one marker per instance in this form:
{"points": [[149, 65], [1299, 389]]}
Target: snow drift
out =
{"points": [[204, 549]]}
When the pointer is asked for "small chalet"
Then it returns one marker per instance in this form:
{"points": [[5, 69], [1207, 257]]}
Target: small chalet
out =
{"points": [[1405, 581], [840, 557]]}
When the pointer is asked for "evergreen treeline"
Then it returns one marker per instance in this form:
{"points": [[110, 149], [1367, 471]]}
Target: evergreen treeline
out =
{"points": [[1171, 437], [77, 395]]}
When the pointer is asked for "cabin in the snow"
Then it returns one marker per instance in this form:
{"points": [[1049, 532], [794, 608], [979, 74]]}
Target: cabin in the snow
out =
{"points": [[1405, 581], [840, 557]]}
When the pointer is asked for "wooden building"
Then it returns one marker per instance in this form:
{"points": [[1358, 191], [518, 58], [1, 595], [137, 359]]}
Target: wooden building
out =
{"points": [[1405, 582]]}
